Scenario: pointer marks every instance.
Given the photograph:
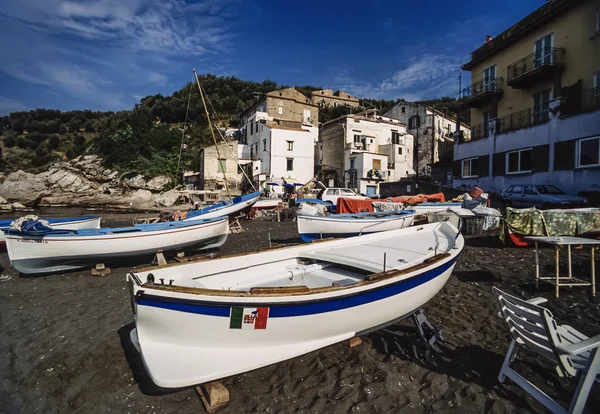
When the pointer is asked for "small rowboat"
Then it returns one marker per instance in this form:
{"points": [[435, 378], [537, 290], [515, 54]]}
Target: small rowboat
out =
{"points": [[225, 208], [63, 250], [230, 315], [347, 225], [75, 223]]}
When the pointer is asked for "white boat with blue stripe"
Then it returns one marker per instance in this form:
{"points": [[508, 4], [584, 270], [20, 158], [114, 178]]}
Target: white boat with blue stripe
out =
{"points": [[230, 315], [60, 223], [225, 208], [312, 228], [62, 250]]}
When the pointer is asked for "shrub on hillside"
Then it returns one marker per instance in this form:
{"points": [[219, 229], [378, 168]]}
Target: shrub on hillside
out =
{"points": [[9, 141]]}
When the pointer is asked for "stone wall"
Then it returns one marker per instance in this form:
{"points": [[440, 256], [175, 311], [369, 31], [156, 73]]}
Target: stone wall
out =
{"points": [[294, 103], [331, 98], [213, 179], [331, 138]]}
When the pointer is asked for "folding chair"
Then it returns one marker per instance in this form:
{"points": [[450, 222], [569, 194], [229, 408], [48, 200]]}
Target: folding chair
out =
{"points": [[533, 327]]}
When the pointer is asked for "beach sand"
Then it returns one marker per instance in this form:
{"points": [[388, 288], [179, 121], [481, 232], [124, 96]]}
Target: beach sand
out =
{"points": [[64, 341]]}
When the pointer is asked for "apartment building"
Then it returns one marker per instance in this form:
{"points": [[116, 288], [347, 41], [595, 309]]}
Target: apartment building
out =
{"points": [[433, 131], [278, 133], [360, 151], [535, 103]]}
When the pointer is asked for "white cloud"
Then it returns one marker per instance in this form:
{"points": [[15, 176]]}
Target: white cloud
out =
{"points": [[8, 105], [85, 48], [157, 78]]}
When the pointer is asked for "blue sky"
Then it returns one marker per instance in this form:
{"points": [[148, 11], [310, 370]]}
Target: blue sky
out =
{"points": [[107, 54]]}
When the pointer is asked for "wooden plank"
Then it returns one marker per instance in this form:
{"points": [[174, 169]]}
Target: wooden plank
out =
{"points": [[279, 290], [213, 395]]}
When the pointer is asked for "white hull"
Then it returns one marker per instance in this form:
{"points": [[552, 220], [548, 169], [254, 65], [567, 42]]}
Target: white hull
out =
{"points": [[185, 333], [228, 210], [88, 223], [51, 253], [320, 227], [267, 203]]}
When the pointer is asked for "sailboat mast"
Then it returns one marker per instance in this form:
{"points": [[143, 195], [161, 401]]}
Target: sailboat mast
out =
{"points": [[213, 134]]}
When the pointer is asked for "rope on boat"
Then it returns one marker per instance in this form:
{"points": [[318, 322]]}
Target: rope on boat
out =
{"points": [[187, 111], [213, 135], [228, 148]]}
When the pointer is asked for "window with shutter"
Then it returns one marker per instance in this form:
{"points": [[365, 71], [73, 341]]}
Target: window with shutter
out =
{"points": [[588, 152], [519, 161]]}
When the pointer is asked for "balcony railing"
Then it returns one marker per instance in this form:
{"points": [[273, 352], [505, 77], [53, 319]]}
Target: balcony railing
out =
{"points": [[591, 99], [522, 119], [542, 60], [482, 86], [480, 131]]}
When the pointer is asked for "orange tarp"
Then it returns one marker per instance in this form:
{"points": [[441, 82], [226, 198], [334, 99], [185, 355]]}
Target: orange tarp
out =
{"points": [[419, 198], [352, 205]]}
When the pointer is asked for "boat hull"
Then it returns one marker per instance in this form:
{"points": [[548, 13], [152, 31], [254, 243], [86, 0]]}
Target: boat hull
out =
{"points": [[229, 209], [45, 254], [188, 336], [76, 223], [176, 356], [312, 228]]}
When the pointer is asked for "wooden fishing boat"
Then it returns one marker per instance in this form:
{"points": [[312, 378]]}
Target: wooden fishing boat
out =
{"points": [[63, 223], [225, 208], [234, 314], [62, 250], [347, 225]]}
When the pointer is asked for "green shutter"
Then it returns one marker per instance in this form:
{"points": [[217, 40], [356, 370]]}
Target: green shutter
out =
{"points": [[484, 166], [499, 164], [564, 155], [456, 169], [541, 155]]}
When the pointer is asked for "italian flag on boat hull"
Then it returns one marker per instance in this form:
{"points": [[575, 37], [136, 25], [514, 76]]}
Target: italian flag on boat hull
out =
{"points": [[248, 318]]}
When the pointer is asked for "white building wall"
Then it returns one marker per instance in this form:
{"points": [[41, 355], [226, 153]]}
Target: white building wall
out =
{"points": [[302, 154], [555, 130]]}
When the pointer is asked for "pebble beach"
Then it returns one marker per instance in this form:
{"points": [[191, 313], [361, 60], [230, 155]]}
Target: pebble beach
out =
{"points": [[65, 344]]}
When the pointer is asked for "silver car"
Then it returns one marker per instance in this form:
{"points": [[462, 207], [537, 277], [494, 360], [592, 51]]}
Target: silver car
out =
{"points": [[540, 196]]}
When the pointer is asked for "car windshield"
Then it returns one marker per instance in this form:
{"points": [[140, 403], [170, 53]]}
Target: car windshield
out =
{"points": [[548, 189]]}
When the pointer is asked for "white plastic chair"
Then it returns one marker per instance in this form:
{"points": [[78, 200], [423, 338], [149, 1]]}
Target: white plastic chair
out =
{"points": [[533, 327]]}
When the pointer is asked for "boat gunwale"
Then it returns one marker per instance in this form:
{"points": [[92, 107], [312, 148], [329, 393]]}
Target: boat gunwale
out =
{"points": [[302, 290], [104, 234]]}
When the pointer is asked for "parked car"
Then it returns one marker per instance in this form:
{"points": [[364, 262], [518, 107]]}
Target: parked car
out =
{"points": [[540, 196], [332, 195]]}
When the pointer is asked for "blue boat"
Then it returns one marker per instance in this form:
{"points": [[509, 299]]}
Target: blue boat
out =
{"points": [[312, 228], [49, 250]]}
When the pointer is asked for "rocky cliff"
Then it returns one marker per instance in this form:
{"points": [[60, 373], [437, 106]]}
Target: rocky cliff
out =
{"points": [[84, 181]]}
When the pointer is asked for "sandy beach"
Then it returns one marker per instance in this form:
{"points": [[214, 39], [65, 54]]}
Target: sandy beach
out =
{"points": [[65, 344]]}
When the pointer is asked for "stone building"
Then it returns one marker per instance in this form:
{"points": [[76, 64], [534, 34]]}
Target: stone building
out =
{"points": [[328, 97], [360, 151], [434, 134], [215, 167]]}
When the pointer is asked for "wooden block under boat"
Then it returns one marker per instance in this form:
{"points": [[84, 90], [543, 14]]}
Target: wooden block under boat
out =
{"points": [[213, 395], [352, 342]]}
